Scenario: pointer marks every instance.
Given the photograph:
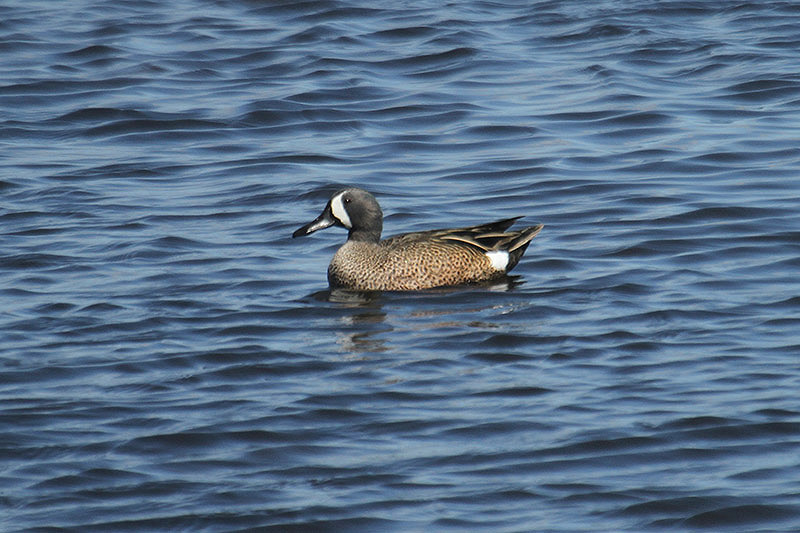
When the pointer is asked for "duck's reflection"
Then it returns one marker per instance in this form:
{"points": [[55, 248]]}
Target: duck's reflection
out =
{"points": [[365, 329], [368, 318]]}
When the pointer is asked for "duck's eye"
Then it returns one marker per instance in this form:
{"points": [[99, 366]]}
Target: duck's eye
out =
{"points": [[347, 200]]}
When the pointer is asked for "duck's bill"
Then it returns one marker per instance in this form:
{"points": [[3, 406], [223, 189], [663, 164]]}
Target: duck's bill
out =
{"points": [[325, 220]]}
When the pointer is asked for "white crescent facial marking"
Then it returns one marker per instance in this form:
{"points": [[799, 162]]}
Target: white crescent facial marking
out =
{"points": [[339, 212], [499, 259]]}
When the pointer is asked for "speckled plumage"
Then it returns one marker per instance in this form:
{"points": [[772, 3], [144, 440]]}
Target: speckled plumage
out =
{"points": [[413, 261]]}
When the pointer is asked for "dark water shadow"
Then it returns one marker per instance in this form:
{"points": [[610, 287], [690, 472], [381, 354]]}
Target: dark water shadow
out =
{"points": [[351, 298]]}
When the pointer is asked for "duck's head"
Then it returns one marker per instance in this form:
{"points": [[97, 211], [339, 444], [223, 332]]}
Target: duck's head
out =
{"points": [[352, 208]]}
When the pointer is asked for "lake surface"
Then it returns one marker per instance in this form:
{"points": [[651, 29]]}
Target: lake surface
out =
{"points": [[172, 360]]}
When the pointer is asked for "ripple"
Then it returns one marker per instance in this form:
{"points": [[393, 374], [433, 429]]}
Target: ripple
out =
{"points": [[165, 340]]}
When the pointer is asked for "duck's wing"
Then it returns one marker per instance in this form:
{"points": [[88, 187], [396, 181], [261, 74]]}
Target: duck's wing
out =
{"points": [[492, 236], [467, 234], [485, 237]]}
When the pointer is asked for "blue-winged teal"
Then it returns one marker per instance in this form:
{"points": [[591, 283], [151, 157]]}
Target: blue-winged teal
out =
{"points": [[414, 261]]}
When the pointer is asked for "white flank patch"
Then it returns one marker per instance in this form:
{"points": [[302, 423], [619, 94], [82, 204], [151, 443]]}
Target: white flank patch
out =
{"points": [[339, 212], [499, 259]]}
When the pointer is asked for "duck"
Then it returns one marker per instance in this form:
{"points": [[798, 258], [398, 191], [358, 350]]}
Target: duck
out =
{"points": [[414, 261]]}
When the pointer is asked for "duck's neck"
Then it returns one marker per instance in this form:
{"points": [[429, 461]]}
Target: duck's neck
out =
{"points": [[364, 235]]}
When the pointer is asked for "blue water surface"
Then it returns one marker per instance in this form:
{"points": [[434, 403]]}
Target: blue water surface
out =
{"points": [[172, 360]]}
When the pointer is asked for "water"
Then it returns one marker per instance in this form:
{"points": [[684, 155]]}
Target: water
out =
{"points": [[171, 360]]}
